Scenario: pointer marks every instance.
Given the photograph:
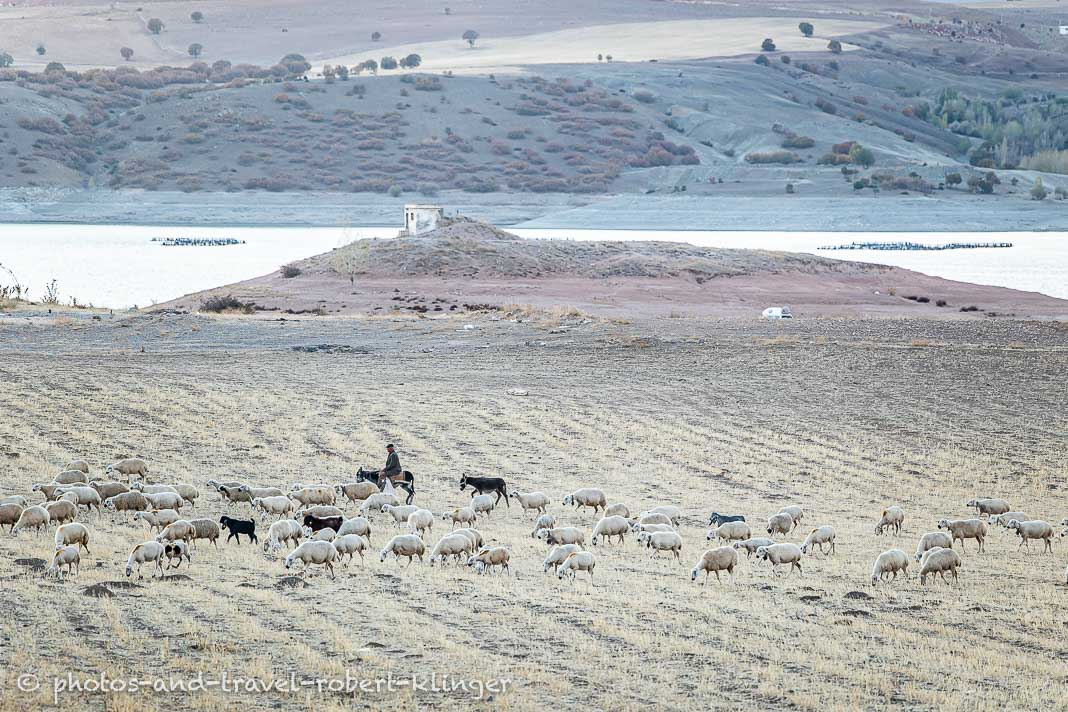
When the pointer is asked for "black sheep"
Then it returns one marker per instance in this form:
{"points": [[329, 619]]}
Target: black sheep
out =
{"points": [[237, 527]]}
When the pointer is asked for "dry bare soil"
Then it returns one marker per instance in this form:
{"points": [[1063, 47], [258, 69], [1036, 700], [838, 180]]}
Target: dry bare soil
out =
{"points": [[843, 417]]}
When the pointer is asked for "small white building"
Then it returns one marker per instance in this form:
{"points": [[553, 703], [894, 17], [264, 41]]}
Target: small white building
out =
{"points": [[1064, 29], [422, 218]]}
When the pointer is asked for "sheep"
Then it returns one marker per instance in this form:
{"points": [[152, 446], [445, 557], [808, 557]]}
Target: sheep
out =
{"points": [[474, 535], [988, 506], [187, 492], [177, 550], [672, 512], [818, 537], [576, 561], [157, 520], [641, 528], [617, 510], [778, 554], [889, 563], [730, 531], [351, 544], [1004, 519], [282, 531], [237, 527], [725, 558], [421, 522], [151, 489], [557, 555], [356, 491], [128, 502], [326, 534], [323, 511], [165, 500], [308, 496], [651, 518], [932, 539], [206, 529], [463, 515], [664, 541], [10, 513], [939, 560], [399, 512], [234, 495], [545, 521], [149, 551], [50, 490], [795, 512], [70, 534], [68, 497], [781, 523], [483, 504], [109, 489], [279, 506], [715, 519], [297, 486], [532, 500], [562, 535], [356, 525], [260, 492], [71, 477], [31, 518], [319, 553], [609, 527], [130, 466], [893, 517], [80, 465], [587, 497], [218, 487], [1033, 529], [966, 529], [407, 545], [375, 502], [61, 511], [316, 523], [69, 556], [15, 499], [488, 557], [452, 544], [182, 529], [87, 496], [751, 545]]}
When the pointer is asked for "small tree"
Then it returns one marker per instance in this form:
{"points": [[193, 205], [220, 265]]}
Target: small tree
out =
{"points": [[55, 67], [195, 49], [371, 66], [342, 72], [328, 73], [6, 60], [954, 179], [155, 25], [126, 53], [448, 11], [806, 29], [387, 63], [1038, 191], [835, 46], [608, 58], [41, 50], [411, 61], [862, 156], [762, 60], [375, 36], [470, 36], [221, 65], [768, 45], [197, 17]]}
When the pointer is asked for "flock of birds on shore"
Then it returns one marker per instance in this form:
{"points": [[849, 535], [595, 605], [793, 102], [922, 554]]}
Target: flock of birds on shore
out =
{"points": [[307, 517]]}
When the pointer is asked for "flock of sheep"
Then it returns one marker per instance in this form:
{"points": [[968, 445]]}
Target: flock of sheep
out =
{"points": [[308, 518]]}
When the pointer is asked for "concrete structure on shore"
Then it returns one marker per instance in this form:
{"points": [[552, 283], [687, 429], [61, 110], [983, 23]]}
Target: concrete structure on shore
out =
{"points": [[422, 218]]}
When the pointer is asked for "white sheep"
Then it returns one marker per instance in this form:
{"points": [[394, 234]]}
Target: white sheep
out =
{"points": [[649, 528], [562, 535], [489, 557], [1004, 519], [278, 505], [610, 527], [69, 556], [617, 509], [989, 505], [483, 504], [157, 520], [206, 529], [795, 512], [532, 500], [889, 563], [80, 465], [673, 513], [321, 511], [751, 545], [778, 554], [127, 502], [87, 496], [818, 537], [939, 560], [149, 551], [281, 532], [557, 555], [375, 502], [260, 492], [932, 539], [234, 493], [725, 558], [650, 518], [451, 544], [664, 541], [176, 551], [144, 488], [71, 477], [406, 545], [319, 494], [545, 521], [729, 531], [314, 553], [1033, 529], [461, 515], [165, 500], [587, 497], [73, 534], [966, 529], [10, 513], [35, 518], [356, 491], [356, 525], [781, 523], [15, 499], [893, 517], [351, 544], [474, 535], [61, 511], [400, 512], [130, 466], [575, 562], [50, 490], [324, 534], [182, 529], [421, 522], [108, 489], [187, 492]]}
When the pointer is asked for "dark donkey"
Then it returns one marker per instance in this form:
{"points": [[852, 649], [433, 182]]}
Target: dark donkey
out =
{"points": [[405, 480], [482, 485]]}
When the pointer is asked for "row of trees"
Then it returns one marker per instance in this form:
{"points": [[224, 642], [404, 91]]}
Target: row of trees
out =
{"points": [[768, 45]]}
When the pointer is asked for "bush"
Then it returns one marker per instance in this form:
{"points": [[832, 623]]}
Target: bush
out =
{"points": [[953, 179], [387, 63], [862, 156], [219, 304], [762, 61], [782, 157], [806, 29], [798, 142], [1038, 191], [826, 106], [290, 271], [394, 191], [645, 96], [835, 47], [768, 45], [155, 25]]}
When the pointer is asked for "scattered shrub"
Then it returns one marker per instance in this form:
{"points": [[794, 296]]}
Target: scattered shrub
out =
{"points": [[783, 157], [219, 304], [290, 271]]}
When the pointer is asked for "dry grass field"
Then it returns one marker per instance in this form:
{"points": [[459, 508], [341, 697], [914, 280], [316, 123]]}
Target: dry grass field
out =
{"points": [[842, 417]]}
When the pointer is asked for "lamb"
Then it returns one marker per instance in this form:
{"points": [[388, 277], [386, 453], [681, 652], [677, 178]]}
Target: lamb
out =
{"points": [[651, 518], [557, 555], [562, 535], [795, 512], [715, 519], [279, 506], [260, 492], [1004, 519], [237, 527], [177, 550], [576, 561], [356, 525], [781, 523], [73, 534], [1033, 529], [887, 563], [665, 541], [451, 544], [206, 529], [609, 527], [488, 557], [939, 560], [130, 466], [932, 539], [127, 502], [80, 465], [140, 486], [532, 500], [400, 512], [989, 506], [326, 534], [779, 554], [725, 558], [356, 491], [71, 477], [672, 512], [61, 511], [15, 499], [421, 522], [545, 521], [31, 518], [617, 509], [10, 513], [966, 529], [87, 496], [893, 517], [314, 553], [149, 551], [157, 520], [483, 504], [375, 502], [182, 529], [474, 535], [234, 495], [587, 497], [818, 537], [462, 515], [308, 496], [69, 556], [109, 489], [322, 511], [165, 500], [730, 531], [351, 544], [282, 531], [407, 545]]}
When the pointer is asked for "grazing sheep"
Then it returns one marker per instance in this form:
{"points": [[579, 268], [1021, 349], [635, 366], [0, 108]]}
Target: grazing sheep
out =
{"points": [[187, 492], [651, 518], [177, 550], [16, 499], [327, 534], [576, 561], [532, 500], [488, 557], [795, 512], [421, 522], [473, 534], [351, 544], [609, 527], [889, 563], [237, 527], [69, 556], [106, 490], [617, 510], [818, 537], [966, 529], [587, 497], [779, 554], [664, 541], [407, 545], [751, 545], [545, 521], [149, 551], [988, 506], [235, 495], [50, 490], [307, 496], [400, 512], [893, 518], [483, 504], [356, 525], [316, 523], [725, 558], [80, 465], [462, 515], [356, 491], [932, 539], [206, 529], [1004, 519], [182, 530], [62, 511], [231, 488], [282, 531], [157, 520], [130, 466], [127, 502], [165, 500], [730, 531], [375, 502], [781, 523], [140, 486], [715, 519], [1033, 529], [71, 477], [322, 511], [314, 553], [10, 513], [641, 528], [452, 544], [673, 513], [557, 555], [87, 496], [73, 534], [260, 492], [939, 560], [31, 518], [279, 506], [562, 535]]}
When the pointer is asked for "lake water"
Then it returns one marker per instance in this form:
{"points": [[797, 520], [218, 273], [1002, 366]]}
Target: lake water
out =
{"points": [[121, 267]]}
